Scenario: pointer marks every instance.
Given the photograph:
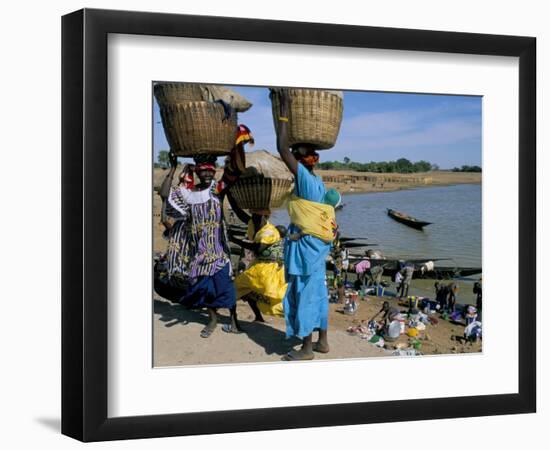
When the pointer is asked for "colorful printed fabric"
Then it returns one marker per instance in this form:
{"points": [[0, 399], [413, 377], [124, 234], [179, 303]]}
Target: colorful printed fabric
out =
{"points": [[198, 243], [265, 278], [244, 135]]}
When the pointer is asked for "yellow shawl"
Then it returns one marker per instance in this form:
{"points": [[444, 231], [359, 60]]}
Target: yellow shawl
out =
{"points": [[315, 219]]}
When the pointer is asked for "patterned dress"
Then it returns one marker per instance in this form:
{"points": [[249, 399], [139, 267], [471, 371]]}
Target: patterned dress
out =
{"points": [[198, 258]]}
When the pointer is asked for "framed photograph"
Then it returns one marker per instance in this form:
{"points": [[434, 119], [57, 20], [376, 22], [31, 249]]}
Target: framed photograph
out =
{"points": [[273, 225]]}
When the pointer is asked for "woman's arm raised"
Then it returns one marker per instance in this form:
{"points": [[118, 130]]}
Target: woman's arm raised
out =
{"points": [[282, 131]]}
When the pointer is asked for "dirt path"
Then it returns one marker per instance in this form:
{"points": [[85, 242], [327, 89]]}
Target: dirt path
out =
{"points": [[177, 341]]}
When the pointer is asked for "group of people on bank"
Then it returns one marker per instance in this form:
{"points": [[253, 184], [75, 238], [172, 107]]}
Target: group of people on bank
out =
{"points": [[286, 274]]}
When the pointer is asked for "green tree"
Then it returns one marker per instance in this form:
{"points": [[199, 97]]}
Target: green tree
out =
{"points": [[163, 159], [403, 165], [422, 166]]}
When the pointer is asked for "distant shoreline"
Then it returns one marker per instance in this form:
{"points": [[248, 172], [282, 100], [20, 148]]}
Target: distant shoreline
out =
{"points": [[349, 182], [352, 182]]}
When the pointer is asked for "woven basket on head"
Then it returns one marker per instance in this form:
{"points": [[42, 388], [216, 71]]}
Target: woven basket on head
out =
{"points": [[174, 93], [197, 127], [260, 192], [315, 117]]}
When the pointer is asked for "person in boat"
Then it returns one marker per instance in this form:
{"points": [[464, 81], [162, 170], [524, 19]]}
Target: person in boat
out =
{"points": [[198, 256], [263, 283], [312, 229], [407, 272]]}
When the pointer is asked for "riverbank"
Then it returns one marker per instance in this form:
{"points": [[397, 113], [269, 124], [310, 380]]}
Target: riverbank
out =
{"points": [[176, 330], [352, 182], [177, 340]]}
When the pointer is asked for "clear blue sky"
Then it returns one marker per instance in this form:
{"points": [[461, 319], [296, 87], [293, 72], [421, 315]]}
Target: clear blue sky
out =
{"points": [[380, 126]]}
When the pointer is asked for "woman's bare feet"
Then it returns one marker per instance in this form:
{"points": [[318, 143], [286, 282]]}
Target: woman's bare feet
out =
{"points": [[209, 329], [321, 346], [299, 355], [304, 354]]}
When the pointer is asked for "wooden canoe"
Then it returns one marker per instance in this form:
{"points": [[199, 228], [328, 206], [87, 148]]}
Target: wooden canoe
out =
{"points": [[405, 219]]}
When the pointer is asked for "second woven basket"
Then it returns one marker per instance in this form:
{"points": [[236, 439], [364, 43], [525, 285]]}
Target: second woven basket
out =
{"points": [[315, 116]]}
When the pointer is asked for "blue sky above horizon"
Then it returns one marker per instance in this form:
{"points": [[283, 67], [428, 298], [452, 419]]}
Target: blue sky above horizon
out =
{"points": [[379, 126]]}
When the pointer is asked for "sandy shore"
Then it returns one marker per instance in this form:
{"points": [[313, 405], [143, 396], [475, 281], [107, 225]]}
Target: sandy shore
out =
{"points": [[349, 182], [177, 341], [176, 330]]}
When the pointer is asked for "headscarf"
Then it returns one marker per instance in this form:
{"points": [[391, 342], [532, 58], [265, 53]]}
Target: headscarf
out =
{"points": [[205, 159], [205, 166], [202, 162], [244, 135], [205, 162]]}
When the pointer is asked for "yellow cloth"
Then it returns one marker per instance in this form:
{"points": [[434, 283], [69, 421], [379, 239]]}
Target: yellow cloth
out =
{"points": [[267, 279], [315, 219]]}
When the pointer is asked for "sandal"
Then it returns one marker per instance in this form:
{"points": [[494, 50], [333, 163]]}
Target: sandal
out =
{"points": [[290, 357], [206, 332], [228, 328]]}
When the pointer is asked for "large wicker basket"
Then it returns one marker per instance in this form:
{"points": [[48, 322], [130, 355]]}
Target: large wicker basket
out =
{"points": [[260, 192], [197, 127], [176, 93], [315, 117]]}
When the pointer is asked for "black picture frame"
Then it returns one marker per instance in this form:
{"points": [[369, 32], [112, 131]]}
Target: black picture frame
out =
{"points": [[84, 224]]}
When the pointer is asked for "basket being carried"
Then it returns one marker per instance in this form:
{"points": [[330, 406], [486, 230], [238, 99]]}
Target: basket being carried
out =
{"points": [[265, 184], [314, 118], [199, 118], [198, 128]]}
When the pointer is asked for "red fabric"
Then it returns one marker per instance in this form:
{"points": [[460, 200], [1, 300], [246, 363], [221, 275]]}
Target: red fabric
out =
{"points": [[206, 166], [244, 135], [186, 178]]}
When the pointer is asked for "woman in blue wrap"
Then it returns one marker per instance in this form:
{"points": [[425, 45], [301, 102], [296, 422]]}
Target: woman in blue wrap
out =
{"points": [[306, 301]]}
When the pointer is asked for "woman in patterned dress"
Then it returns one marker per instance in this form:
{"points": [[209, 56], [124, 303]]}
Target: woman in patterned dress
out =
{"points": [[198, 256]]}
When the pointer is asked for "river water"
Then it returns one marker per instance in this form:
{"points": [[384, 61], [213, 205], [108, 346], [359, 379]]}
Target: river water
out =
{"points": [[455, 232]]}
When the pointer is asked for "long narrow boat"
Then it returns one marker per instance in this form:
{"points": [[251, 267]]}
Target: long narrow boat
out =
{"points": [[405, 219], [439, 273]]}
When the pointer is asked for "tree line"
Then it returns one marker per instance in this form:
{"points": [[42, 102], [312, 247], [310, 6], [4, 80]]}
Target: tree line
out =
{"points": [[402, 165], [466, 169]]}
